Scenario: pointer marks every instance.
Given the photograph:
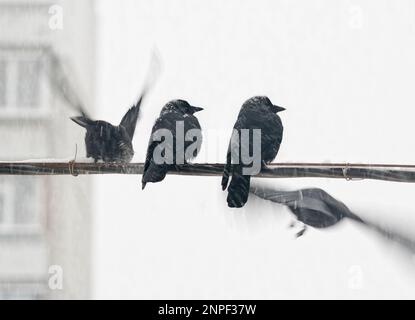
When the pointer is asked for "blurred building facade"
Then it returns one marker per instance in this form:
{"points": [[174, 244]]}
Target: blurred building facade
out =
{"points": [[45, 222]]}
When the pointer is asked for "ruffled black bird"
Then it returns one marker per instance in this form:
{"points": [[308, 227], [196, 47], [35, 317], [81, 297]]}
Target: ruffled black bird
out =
{"points": [[113, 143], [108, 142], [256, 113], [174, 113]]}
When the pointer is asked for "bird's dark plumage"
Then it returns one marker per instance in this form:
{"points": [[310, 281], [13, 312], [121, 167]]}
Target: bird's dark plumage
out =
{"points": [[312, 206], [107, 142], [256, 113], [316, 208], [113, 143], [173, 112]]}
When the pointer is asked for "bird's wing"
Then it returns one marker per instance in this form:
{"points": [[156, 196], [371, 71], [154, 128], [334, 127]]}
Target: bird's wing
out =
{"points": [[228, 165], [59, 80], [129, 121], [227, 168], [152, 144], [149, 155], [275, 195], [83, 121]]}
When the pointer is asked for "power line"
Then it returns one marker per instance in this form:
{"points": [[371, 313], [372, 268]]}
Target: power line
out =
{"points": [[385, 172]]}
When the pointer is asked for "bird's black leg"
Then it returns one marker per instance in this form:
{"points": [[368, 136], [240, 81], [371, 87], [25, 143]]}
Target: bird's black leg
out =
{"points": [[301, 232]]}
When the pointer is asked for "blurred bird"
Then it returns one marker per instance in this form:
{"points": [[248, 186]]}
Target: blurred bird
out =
{"points": [[107, 142], [172, 113], [312, 206], [113, 143], [256, 113], [316, 208], [59, 79]]}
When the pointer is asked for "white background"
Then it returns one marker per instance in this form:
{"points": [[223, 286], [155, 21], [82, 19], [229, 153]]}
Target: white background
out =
{"points": [[344, 70]]}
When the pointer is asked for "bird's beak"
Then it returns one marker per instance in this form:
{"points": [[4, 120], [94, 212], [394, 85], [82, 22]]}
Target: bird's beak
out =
{"points": [[277, 108], [196, 109]]}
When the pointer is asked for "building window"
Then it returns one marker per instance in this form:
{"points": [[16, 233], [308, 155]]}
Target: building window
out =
{"points": [[28, 83], [23, 85], [23, 290], [3, 83], [2, 207], [19, 212]]}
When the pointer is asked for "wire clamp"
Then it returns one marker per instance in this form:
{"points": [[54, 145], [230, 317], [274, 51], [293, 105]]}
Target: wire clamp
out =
{"points": [[345, 170], [72, 163]]}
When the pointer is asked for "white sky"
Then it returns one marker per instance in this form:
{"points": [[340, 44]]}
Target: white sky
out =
{"points": [[344, 70]]}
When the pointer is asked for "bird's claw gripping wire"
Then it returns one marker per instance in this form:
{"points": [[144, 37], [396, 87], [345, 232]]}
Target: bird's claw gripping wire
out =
{"points": [[72, 163]]}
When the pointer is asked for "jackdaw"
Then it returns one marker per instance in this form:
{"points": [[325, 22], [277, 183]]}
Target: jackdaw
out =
{"points": [[316, 208], [107, 142], [175, 130], [256, 113], [113, 143]]}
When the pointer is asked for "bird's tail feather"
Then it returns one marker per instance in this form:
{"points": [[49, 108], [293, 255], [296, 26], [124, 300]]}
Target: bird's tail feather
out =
{"points": [[238, 190], [154, 173]]}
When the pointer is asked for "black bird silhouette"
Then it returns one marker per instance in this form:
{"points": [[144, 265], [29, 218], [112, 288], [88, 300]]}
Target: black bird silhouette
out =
{"points": [[316, 208], [312, 206], [113, 143], [256, 113], [172, 113], [107, 142]]}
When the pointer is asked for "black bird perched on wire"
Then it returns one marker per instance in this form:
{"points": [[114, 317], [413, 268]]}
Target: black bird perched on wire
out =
{"points": [[113, 143], [256, 113], [177, 118], [107, 142]]}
